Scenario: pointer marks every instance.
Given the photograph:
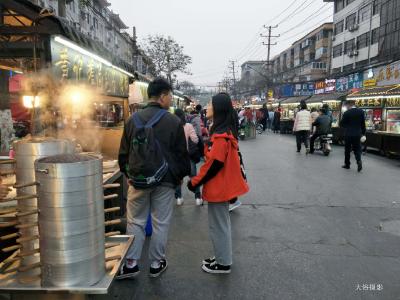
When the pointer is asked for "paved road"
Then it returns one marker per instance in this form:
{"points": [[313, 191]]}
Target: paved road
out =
{"points": [[307, 230]]}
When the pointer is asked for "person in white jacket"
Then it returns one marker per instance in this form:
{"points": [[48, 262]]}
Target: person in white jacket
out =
{"points": [[302, 127]]}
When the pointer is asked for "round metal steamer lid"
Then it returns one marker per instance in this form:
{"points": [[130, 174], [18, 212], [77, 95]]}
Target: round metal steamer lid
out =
{"points": [[42, 146]]}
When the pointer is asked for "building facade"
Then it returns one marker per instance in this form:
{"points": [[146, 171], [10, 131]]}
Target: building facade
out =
{"points": [[356, 34], [308, 59]]}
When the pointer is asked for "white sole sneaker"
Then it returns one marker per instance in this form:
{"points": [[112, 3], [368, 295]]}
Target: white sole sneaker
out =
{"points": [[179, 201], [199, 201], [235, 205], [214, 271]]}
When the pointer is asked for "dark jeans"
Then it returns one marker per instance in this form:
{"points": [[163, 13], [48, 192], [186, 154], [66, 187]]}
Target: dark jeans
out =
{"points": [[302, 136], [352, 143], [312, 141], [264, 123]]}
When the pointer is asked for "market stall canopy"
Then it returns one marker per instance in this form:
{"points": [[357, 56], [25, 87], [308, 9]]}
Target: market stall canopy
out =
{"points": [[376, 92], [327, 97], [292, 100]]}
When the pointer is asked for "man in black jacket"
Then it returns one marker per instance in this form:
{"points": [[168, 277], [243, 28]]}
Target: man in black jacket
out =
{"points": [[323, 126], [158, 200], [353, 123]]}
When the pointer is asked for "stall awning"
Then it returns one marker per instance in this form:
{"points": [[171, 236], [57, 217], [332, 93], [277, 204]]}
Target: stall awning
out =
{"points": [[376, 92], [292, 100], [327, 97]]}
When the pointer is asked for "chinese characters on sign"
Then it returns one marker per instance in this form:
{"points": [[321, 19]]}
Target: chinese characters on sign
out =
{"points": [[385, 75], [369, 103], [369, 287], [69, 64], [347, 83]]}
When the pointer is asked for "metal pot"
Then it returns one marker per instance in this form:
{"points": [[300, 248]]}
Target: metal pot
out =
{"points": [[71, 219]]}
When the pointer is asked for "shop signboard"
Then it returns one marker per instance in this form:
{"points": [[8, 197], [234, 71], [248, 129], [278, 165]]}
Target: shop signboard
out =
{"points": [[330, 85], [369, 83], [385, 75], [72, 65], [393, 102], [284, 91], [350, 82], [376, 102], [15, 83], [320, 87], [304, 89]]}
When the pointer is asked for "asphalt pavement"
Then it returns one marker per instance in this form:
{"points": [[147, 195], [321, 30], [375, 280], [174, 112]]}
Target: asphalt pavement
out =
{"points": [[308, 229]]}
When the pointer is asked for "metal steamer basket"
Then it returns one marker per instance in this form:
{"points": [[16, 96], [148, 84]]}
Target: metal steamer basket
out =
{"points": [[26, 152], [71, 219]]}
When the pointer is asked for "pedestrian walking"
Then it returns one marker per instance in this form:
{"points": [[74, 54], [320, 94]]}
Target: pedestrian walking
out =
{"points": [[302, 127], [270, 119], [222, 181], [353, 123], [276, 124], [192, 141], [153, 156], [265, 116]]}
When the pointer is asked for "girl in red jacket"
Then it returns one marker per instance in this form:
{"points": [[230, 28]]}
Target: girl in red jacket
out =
{"points": [[222, 180]]}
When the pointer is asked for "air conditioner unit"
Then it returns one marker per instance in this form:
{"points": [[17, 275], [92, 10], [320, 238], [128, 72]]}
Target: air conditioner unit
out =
{"points": [[353, 27], [350, 53], [355, 52]]}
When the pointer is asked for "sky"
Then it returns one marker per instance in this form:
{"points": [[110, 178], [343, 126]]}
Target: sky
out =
{"points": [[214, 32]]}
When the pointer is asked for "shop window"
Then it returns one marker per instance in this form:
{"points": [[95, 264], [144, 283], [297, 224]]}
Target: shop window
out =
{"points": [[365, 13], [351, 20], [363, 41], [339, 27], [338, 50], [109, 114]]}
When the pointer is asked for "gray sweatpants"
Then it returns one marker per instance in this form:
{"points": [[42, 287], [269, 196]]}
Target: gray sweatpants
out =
{"points": [[220, 232], [160, 201]]}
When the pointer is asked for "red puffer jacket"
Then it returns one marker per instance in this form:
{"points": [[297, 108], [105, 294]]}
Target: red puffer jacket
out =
{"points": [[229, 182]]}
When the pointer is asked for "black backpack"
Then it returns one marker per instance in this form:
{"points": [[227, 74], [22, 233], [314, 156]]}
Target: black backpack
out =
{"points": [[147, 165]]}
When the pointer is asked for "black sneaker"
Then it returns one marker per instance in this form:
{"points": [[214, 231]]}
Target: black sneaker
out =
{"points": [[208, 261], [215, 268], [359, 166], [346, 167], [126, 272], [155, 272]]}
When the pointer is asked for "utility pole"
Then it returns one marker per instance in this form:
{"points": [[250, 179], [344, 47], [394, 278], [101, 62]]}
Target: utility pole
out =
{"points": [[268, 44], [234, 78]]}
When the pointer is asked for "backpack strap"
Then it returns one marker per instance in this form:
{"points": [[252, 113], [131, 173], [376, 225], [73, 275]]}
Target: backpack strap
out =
{"points": [[137, 121], [156, 118]]}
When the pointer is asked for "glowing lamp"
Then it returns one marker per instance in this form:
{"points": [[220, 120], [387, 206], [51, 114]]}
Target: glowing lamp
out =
{"points": [[31, 101]]}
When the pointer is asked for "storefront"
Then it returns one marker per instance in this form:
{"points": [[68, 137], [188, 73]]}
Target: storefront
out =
{"points": [[382, 111], [290, 106]]}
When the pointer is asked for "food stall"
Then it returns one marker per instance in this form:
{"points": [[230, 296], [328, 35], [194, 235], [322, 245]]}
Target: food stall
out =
{"points": [[382, 111], [334, 101], [289, 109]]}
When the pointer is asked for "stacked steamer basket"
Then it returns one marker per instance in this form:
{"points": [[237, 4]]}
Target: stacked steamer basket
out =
{"points": [[71, 220], [26, 152]]}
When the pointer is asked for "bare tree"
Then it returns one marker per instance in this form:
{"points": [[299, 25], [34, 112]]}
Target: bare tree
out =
{"points": [[188, 88], [167, 56]]}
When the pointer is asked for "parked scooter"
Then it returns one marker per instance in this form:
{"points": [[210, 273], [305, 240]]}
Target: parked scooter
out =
{"points": [[323, 144]]}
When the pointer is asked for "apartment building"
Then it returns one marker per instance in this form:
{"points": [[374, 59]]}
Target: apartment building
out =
{"points": [[308, 59], [356, 34]]}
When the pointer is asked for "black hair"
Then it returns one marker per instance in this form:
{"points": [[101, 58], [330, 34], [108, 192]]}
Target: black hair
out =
{"points": [[181, 115], [225, 119], [313, 109], [158, 87], [324, 110], [303, 104], [198, 108]]}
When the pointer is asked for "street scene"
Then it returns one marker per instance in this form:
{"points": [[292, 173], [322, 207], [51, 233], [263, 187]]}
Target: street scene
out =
{"points": [[160, 150]]}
